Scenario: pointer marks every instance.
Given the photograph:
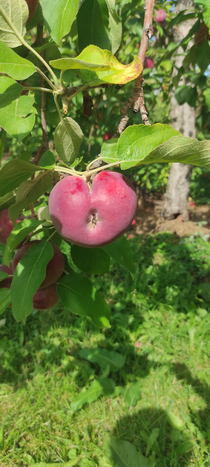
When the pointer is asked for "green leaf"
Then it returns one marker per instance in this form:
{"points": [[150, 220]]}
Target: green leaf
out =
{"points": [[103, 386], [185, 94], [120, 250], [5, 299], [206, 12], [103, 357], [28, 192], [175, 421], [7, 200], [124, 454], [181, 149], [14, 65], [70, 463], [136, 142], [92, 24], [68, 138], [28, 276], [203, 56], [89, 260], [9, 90], [132, 394], [105, 65], [115, 26], [3, 275], [14, 173], [109, 150], [47, 160], [59, 17], [15, 118], [19, 232], [152, 438], [3, 136], [80, 297], [13, 14]]}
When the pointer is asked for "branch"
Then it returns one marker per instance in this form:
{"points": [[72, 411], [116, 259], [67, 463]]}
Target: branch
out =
{"points": [[137, 100], [44, 144], [147, 34]]}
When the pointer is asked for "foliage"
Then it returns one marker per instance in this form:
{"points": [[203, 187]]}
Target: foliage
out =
{"points": [[155, 357], [72, 65]]}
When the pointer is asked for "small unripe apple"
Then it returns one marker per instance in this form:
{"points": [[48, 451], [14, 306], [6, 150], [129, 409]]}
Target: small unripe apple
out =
{"points": [[32, 6], [6, 225], [94, 216], [46, 298], [160, 16], [148, 63], [54, 269], [7, 281]]}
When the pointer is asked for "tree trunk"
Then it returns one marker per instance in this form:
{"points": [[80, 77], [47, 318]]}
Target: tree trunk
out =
{"points": [[182, 119]]}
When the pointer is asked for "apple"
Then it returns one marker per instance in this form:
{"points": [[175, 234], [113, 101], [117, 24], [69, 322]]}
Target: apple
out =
{"points": [[148, 63], [32, 6], [46, 298], [7, 281], [96, 216], [160, 16], [107, 135], [5, 225], [54, 269]]}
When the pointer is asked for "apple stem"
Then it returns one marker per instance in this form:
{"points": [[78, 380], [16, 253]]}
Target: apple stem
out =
{"points": [[98, 169], [58, 108], [28, 88], [98, 159]]}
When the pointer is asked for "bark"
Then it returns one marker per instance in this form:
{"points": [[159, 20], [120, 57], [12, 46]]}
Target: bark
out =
{"points": [[182, 119]]}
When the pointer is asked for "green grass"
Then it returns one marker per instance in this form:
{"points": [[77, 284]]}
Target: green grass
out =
{"points": [[160, 324]]}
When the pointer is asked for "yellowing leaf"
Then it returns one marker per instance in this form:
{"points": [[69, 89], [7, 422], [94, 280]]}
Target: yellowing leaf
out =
{"points": [[103, 63]]}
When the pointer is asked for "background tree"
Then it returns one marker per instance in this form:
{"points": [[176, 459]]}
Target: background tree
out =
{"points": [[182, 119]]}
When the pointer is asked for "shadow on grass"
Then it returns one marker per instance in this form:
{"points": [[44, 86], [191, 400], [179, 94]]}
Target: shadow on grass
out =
{"points": [[168, 274], [151, 431]]}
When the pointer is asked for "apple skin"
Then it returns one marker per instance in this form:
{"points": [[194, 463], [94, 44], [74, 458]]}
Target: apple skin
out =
{"points": [[160, 16], [6, 283], [46, 298], [6, 225], [148, 63], [93, 218], [54, 269], [107, 135], [32, 6]]}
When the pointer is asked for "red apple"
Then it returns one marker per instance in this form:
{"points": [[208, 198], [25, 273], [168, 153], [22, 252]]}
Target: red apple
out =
{"points": [[5, 225], [32, 6], [160, 16], [95, 216], [107, 135], [46, 298], [148, 63], [54, 268], [7, 281]]}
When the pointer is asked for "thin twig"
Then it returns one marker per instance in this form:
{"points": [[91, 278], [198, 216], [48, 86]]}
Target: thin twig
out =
{"points": [[137, 100], [44, 145], [147, 34]]}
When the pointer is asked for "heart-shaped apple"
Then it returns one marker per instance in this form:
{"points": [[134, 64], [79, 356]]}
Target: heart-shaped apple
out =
{"points": [[93, 216]]}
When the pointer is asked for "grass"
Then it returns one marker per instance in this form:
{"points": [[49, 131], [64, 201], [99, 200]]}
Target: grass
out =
{"points": [[160, 324]]}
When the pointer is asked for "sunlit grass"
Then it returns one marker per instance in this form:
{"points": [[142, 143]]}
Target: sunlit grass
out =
{"points": [[160, 324]]}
